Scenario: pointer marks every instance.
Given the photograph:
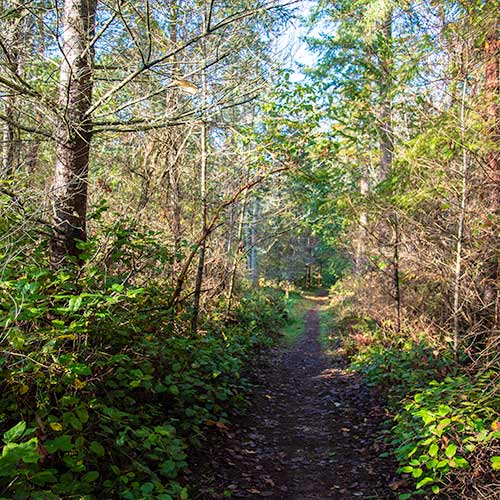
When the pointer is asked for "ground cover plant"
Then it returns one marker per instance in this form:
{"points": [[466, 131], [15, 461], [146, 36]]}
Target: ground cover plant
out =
{"points": [[104, 389], [445, 430]]}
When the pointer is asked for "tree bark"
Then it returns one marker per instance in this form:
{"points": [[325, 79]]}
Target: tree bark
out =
{"points": [[492, 86], [239, 249], [254, 274], [460, 229], [396, 266], [203, 183], [74, 130], [492, 58], [385, 126], [10, 134], [386, 138]]}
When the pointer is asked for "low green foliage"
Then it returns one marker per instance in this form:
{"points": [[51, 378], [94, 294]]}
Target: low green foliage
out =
{"points": [[442, 425], [104, 389], [445, 418], [296, 306], [409, 362]]}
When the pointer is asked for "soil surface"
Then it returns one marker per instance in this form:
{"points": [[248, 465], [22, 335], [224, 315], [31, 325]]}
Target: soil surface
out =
{"points": [[313, 433]]}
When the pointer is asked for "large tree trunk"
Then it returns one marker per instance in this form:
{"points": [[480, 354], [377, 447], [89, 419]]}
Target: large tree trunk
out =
{"points": [[396, 271], [386, 138], [461, 227], [34, 148], [253, 264], [74, 130], [239, 250]]}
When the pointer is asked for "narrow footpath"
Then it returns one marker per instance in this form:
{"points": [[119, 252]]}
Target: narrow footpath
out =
{"points": [[313, 433]]}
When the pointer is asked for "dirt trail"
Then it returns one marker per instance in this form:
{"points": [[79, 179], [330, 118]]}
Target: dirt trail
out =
{"points": [[312, 434]]}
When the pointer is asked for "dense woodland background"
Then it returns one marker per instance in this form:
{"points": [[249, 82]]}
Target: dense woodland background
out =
{"points": [[164, 175]]}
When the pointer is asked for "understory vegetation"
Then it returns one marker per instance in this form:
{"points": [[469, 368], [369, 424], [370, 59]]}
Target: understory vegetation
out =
{"points": [[445, 428], [105, 390]]}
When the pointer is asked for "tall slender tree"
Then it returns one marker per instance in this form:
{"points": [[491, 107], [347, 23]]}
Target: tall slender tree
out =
{"points": [[73, 129]]}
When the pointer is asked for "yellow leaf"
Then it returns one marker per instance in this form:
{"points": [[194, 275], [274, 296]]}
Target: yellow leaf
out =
{"points": [[66, 337], [56, 426], [186, 86], [79, 384], [23, 389]]}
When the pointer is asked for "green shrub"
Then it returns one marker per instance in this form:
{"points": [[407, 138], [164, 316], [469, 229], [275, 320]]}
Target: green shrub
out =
{"points": [[445, 417], [441, 425], [104, 389]]}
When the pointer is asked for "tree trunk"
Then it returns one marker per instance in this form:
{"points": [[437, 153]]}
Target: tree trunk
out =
{"points": [[38, 50], [460, 230], [10, 134], [203, 184], [386, 138], [254, 275], [396, 265], [385, 126], [203, 245], [492, 85], [239, 249], [74, 130]]}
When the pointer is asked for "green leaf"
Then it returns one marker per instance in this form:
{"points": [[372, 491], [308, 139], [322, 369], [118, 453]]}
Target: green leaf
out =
{"points": [[12, 453], [82, 414], [443, 410], [460, 462], [80, 369], [433, 450], [14, 433], [74, 303], [495, 462], [424, 482], [417, 473], [90, 477], [450, 451], [44, 477], [97, 448], [147, 488], [60, 443], [73, 420]]}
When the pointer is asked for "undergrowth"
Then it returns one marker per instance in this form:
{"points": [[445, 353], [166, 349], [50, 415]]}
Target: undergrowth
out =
{"points": [[296, 307], [104, 388], [446, 428]]}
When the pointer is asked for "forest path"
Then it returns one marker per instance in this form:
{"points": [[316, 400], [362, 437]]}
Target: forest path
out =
{"points": [[313, 432]]}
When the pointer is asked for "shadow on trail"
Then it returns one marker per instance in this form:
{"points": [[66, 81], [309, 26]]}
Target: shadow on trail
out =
{"points": [[312, 434]]}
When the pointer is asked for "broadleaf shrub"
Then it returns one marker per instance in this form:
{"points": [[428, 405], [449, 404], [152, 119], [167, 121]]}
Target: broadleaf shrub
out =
{"points": [[104, 388], [446, 426]]}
